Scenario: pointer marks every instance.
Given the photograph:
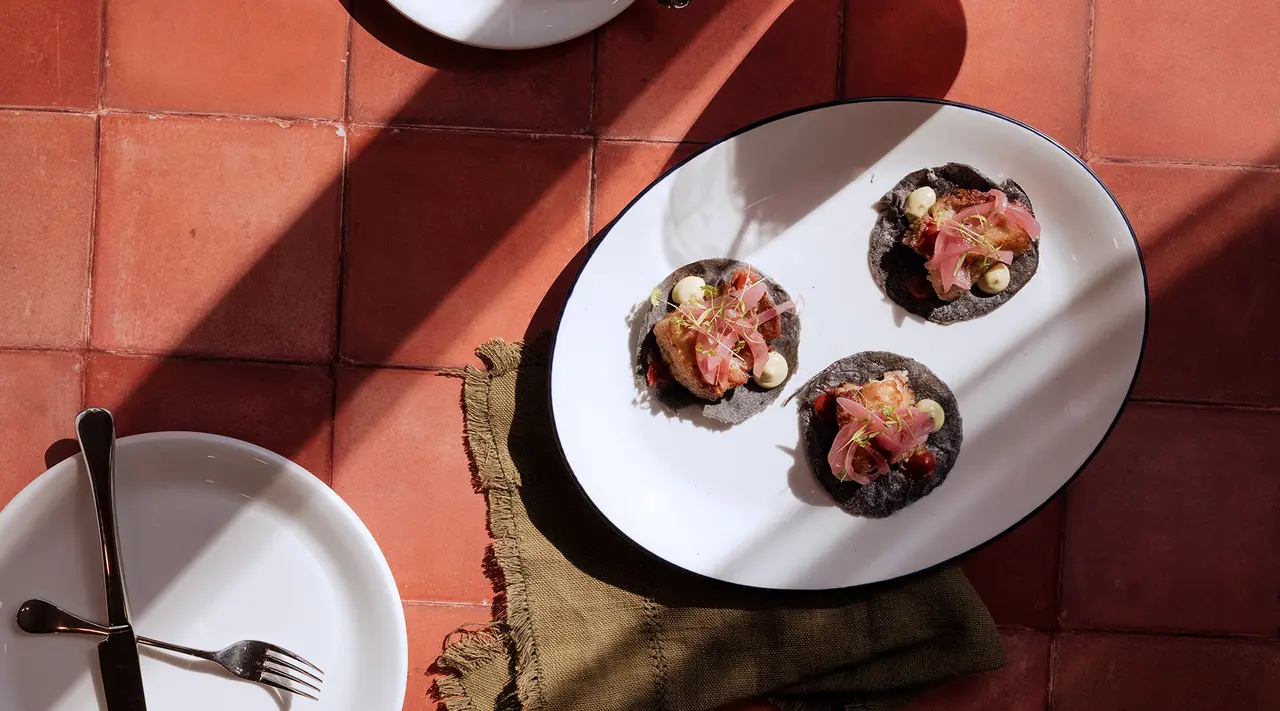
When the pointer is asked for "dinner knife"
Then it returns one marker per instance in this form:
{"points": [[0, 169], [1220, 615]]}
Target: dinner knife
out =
{"points": [[118, 653]]}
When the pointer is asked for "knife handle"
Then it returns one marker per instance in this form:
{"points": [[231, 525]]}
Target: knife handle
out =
{"points": [[96, 430]]}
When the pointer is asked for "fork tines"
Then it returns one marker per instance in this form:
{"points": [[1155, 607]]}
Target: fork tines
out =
{"points": [[279, 661]]}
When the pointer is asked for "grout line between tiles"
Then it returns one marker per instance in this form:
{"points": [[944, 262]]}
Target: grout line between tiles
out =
{"points": [[1051, 672], [92, 237], [219, 116], [595, 78], [1087, 98], [206, 358], [594, 149], [348, 70], [434, 128], [42, 349], [82, 362], [1205, 405], [349, 124], [155, 113], [1183, 163], [246, 360], [103, 59], [1169, 634], [445, 603], [356, 365], [592, 152], [840, 12], [343, 224], [162, 113], [528, 133], [24, 109], [1059, 589], [651, 139]]}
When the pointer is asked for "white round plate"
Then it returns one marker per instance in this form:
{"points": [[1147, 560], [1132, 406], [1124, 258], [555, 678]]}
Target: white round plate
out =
{"points": [[1040, 381], [510, 24], [221, 541]]}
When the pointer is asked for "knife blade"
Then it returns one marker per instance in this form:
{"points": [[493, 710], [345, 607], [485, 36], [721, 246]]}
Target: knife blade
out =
{"points": [[121, 673], [118, 653]]}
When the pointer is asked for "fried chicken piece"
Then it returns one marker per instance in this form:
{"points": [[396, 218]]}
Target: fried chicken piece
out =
{"points": [[676, 344], [892, 390], [1003, 234]]}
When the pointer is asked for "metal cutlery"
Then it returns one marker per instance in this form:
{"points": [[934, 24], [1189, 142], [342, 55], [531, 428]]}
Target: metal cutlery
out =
{"points": [[252, 660], [255, 661], [118, 653]]}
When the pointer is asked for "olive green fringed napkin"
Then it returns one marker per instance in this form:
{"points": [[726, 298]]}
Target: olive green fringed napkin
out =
{"points": [[593, 624]]}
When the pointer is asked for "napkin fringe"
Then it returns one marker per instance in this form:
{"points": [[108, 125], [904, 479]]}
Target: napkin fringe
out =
{"points": [[466, 651], [498, 484]]}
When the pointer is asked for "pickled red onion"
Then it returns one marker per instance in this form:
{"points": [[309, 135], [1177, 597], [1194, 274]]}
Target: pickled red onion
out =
{"points": [[751, 296], [909, 428], [840, 458], [912, 429], [1024, 218], [731, 320], [769, 314], [1001, 200], [861, 413]]}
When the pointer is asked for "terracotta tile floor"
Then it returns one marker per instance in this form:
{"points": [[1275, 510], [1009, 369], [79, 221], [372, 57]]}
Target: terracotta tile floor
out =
{"points": [[261, 206]]}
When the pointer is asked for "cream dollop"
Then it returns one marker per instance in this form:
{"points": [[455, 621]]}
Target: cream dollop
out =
{"points": [[688, 288], [919, 202], [995, 280], [934, 411], [774, 372]]}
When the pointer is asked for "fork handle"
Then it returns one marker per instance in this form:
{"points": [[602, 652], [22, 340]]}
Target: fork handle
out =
{"points": [[40, 617], [96, 430], [188, 651]]}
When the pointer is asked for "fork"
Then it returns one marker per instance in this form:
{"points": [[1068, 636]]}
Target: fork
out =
{"points": [[247, 659]]}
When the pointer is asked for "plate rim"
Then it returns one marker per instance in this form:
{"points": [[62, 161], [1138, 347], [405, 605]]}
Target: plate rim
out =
{"points": [[598, 239], [396, 5], [386, 579]]}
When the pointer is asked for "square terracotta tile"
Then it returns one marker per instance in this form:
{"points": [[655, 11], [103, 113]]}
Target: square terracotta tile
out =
{"points": [[47, 176], [1123, 673], [39, 399], [279, 58], [51, 53], [286, 409], [400, 462], [623, 169], [1196, 83], [455, 239], [904, 49], [217, 237], [1168, 530], [713, 67], [403, 74], [1021, 684], [428, 626], [1017, 576], [1208, 240], [1024, 58]]}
